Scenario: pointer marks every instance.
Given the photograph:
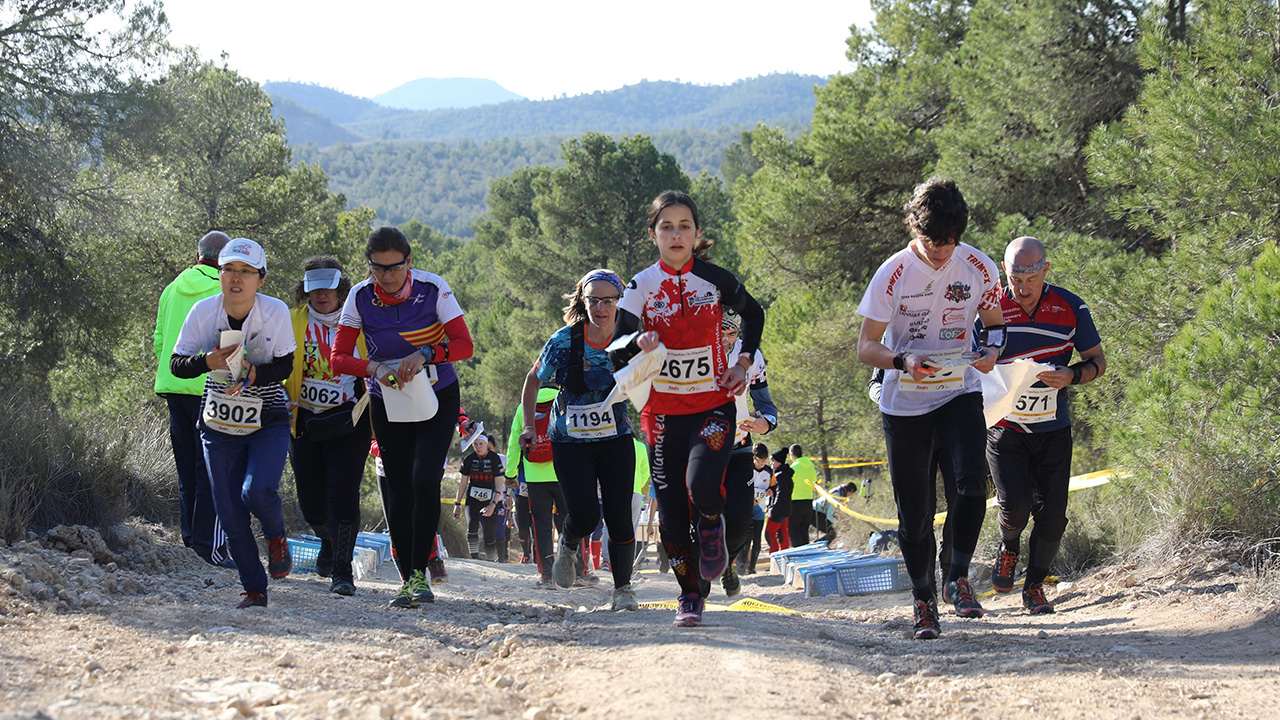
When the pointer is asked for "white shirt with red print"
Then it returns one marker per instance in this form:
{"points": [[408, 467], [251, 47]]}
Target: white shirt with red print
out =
{"points": [[929, 311]]}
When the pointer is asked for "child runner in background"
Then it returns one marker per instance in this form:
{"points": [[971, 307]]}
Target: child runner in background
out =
{"points": [[482, 494]]}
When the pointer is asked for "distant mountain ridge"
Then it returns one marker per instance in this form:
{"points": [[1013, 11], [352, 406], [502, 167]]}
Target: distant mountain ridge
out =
{"points": [[441, 93], [648, 107]]}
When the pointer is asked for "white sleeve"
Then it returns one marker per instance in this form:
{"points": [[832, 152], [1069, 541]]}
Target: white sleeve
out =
{"points": [[447, 307], [281, 326], [350, 312], [877, 301]]}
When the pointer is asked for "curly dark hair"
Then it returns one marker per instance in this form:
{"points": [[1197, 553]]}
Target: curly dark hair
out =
{"points": [[315, 263], [937, 211]]}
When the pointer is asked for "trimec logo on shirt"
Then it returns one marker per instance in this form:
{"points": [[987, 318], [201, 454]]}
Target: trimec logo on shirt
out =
{"points": [[893, 279]]}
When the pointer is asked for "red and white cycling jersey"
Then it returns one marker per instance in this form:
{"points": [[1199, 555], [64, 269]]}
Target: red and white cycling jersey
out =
{"points": [[684, 306]]}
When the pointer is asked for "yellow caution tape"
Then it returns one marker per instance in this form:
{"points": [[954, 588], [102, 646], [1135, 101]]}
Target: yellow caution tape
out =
{"points": [[1077, 482], [857, 464], [989, 593], [743, 605]]}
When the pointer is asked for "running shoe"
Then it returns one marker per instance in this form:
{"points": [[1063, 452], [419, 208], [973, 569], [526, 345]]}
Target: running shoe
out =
{"points": [[405, 598], [1003, 571], [1034, 601], [279, 561], [253, 598], [689, 612], [960, 595], [435, 566], [421, 588], [342, 586], [927, 627], [586, 580], [624, 598], [712, 556], [565, 568], [545, 583], [730, 582]]}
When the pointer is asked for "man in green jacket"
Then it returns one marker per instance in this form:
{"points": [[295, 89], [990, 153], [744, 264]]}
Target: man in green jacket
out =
{"points": [[801, 497], [195, 500]]}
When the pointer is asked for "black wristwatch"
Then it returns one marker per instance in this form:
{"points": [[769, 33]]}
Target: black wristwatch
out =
{"points": [[900, 361]]}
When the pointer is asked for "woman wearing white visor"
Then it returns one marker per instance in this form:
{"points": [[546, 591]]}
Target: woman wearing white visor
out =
{"points": [[329, 450]]}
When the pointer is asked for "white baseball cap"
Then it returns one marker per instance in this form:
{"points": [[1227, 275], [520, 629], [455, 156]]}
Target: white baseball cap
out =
{"points": [[244, 250]]}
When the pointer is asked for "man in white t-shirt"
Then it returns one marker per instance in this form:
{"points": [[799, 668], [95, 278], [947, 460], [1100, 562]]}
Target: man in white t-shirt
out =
{"points": [[918, 314]]}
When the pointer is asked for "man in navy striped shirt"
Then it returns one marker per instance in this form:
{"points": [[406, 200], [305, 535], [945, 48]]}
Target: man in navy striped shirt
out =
{"points": [[1029, 450]]}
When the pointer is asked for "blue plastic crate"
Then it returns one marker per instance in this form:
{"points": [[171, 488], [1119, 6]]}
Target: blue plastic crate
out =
{"points": [[304, 554], [822, 582], [872, 575], [378, 541]]}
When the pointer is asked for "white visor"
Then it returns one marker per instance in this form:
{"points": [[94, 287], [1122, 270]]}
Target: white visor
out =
{"points": [[321, 279]]}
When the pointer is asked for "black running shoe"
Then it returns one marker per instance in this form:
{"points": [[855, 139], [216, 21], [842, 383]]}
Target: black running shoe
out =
{"points": [[927, 626], [342, 586], [731, 583], [421, 588], [1003, 571], [960, 595], [1034, 601]]}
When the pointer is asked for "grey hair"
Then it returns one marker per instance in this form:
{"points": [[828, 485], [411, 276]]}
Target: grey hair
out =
{"points": [[210, 246]]}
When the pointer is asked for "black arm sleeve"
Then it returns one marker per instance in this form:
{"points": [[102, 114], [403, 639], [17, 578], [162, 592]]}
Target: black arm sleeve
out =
{"points": [[276, 371], [187, 367], [734, 295], [623, 326]]}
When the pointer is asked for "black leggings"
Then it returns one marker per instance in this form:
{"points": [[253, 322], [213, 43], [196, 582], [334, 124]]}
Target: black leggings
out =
{"points": [[958, 429], [610, 464], [688, 455], [739, 498], [542, 496], [801, 517], [413, 457], [523, 521], [1031, 472], [475, 520], [327, 475]]}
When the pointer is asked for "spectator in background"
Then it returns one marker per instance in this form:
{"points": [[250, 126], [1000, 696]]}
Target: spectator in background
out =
{"points": [[801, 496], [196, 517]]}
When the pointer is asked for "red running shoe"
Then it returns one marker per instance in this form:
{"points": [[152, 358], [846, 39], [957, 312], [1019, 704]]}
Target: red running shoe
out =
{"points": [[279, 561]]}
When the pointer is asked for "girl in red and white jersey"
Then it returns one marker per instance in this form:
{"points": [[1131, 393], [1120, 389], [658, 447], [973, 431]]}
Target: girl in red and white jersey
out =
{"points": [[690, 416]]}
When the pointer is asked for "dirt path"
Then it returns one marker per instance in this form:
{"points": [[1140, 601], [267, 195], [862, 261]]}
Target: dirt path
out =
{"points": [[161, 640]]}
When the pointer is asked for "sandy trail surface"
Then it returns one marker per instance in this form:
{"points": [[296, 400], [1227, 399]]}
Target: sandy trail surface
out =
{"points": [[145, 631]]}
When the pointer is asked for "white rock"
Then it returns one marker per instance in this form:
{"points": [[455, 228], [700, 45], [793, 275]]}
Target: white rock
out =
{"points": [[285, 659], [828, 696], [536, 713]]}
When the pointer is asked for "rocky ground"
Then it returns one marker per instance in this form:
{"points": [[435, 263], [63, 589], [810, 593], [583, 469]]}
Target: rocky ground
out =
{"points": [[120, 626]]}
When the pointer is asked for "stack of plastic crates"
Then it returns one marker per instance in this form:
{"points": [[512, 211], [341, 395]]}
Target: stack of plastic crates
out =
{"points": [[872, 574]]}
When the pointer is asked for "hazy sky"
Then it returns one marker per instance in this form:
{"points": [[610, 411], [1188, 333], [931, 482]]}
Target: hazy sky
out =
{"points": [[536, 49]]}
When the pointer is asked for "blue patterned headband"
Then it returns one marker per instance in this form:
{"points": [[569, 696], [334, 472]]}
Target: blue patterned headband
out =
{"points": [[602, 274]]}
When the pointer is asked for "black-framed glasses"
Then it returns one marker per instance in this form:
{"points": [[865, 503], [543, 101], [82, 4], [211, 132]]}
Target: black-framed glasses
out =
{"points": [[243, 274], [381, 269], [609, 301]]}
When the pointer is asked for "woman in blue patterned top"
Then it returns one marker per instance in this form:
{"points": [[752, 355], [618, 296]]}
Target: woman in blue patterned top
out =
{"points": [[590, 441]]}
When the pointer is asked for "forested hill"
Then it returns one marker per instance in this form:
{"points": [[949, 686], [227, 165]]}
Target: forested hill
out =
{"points": [[436, 167], [444, 184], [647, 107]]}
